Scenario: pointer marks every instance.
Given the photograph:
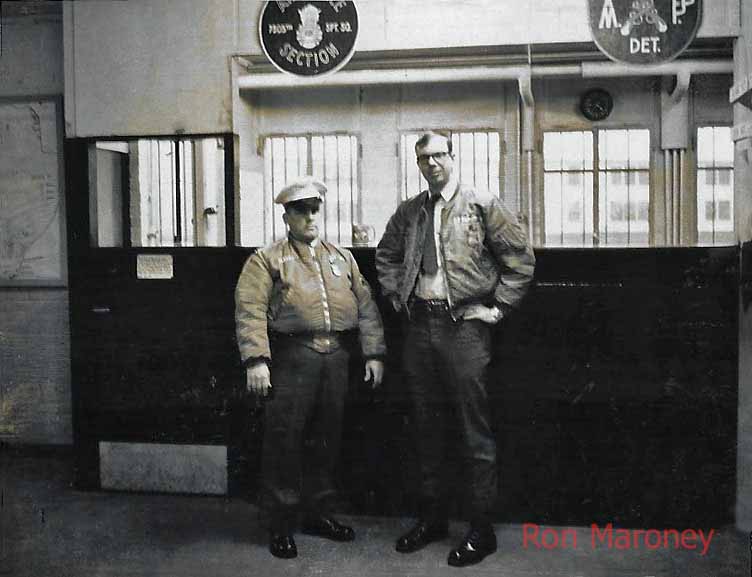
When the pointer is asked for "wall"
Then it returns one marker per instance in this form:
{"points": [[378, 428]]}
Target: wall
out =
{"points": [[148, 67], [408, 24], [162, 66], [35, 395], [637, 104], [378, 115]]}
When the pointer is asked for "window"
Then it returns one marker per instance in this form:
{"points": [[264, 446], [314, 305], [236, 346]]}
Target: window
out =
{"points": [[174, 189], [477, 157], [333, 158], [715, 185], [568, 188], [621, 192]]}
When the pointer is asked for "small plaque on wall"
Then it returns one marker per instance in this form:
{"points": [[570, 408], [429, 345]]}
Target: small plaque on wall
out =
{"points": [[154, 266], [308, 38]]}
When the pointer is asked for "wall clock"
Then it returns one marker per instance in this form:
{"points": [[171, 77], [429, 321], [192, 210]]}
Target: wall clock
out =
{"points": [[596, 104]]}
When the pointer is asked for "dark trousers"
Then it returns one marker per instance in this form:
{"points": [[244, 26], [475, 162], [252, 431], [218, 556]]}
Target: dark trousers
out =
{"points": [[446, 365], [302, 432]]}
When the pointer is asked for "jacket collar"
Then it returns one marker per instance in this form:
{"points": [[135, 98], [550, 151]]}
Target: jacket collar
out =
{"points": [[448, 192]]}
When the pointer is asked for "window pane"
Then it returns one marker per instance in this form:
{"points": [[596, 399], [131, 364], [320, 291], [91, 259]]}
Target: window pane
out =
{"points": [[332, 158], [108, 171], [639, 148], [177, 192], [624, 187], [477, 161], [553, 205], [715, 185], [552, 151], [568, 188]]}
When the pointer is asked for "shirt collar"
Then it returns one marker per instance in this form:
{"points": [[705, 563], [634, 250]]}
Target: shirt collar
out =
{"points": [[449, 189], [304, 245]]}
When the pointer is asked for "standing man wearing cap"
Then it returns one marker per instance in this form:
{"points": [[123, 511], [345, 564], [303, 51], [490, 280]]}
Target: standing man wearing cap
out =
{"points": [[455, 262], [298, 304]]}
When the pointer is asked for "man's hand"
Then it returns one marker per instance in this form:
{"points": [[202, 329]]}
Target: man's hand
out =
{"points": [[490, 315], [257, 379], [375, 369], [396, 304]]}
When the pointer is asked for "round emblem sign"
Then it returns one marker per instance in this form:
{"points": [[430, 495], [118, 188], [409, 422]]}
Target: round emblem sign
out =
{"points": [[308, 38], [644, 31]]}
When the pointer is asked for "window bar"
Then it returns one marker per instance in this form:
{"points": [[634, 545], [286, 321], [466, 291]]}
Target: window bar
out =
{"points": [[667, 210], [324, 165], [339, 192], [678, 158], [561, 207], [628, 174], [714, 172], [489, 161], [596, 232], [353, 176], [177, 226]]}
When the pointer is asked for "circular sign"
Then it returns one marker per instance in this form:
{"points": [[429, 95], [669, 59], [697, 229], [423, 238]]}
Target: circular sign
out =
{"points": [[644, 31], [308, 38]]}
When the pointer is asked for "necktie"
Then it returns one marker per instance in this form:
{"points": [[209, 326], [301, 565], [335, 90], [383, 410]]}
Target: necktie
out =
{"points": [[429, 264]]}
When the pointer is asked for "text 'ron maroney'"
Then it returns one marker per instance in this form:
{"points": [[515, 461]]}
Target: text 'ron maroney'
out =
{"points": [[607, 537]]}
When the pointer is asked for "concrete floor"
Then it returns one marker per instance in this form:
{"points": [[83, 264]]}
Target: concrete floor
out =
{"points": [[49, 529]]}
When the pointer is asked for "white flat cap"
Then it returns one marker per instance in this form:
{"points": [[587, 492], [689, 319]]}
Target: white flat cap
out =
{"points": [[301, 188]]}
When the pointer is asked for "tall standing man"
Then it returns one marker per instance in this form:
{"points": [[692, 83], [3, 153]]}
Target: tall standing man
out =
{"points": [[455, 262], [299, 303]]}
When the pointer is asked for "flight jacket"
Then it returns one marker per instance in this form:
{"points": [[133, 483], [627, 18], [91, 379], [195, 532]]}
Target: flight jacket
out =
{"points": [[284, 289], [484, 251]]}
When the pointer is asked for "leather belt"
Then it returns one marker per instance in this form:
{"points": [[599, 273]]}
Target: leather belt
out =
{"points": [[321, 342], [433, 306]]}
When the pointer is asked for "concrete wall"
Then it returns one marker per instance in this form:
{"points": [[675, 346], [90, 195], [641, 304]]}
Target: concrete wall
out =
{"points": [[148, 67], [35, 395], [408, 24], [378, 115], [162, 66]]}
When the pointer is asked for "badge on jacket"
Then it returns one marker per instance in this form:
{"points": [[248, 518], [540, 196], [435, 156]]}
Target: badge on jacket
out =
{"points": [[336, 271]]}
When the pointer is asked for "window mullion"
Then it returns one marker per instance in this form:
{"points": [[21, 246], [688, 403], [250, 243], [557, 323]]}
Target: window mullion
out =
{"points": [[596, 176]]}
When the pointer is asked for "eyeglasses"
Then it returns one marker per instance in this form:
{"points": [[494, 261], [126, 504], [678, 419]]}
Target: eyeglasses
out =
{"points": [[437, 156]]}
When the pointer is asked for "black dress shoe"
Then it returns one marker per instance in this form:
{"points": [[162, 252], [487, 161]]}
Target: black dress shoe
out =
{"points": [[282, 545], [421, 535], [477, 545], [327, 527]]}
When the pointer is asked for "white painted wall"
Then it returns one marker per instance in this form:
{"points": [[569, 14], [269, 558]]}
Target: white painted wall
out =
{"points": [[408, 24], [148, 67], [378, 115], [162, 66]]}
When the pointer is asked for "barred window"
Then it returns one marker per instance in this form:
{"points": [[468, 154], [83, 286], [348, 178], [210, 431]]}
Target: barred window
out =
{"points": [[610, 210], [715, 185], [477, 160], [170, 191], [568, 188], [333, 158]]}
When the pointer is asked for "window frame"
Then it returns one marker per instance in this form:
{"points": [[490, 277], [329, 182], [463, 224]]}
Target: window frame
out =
{"points": [[403, 161], [229, 184], [356, 203], [595, 171], [710, 170]]}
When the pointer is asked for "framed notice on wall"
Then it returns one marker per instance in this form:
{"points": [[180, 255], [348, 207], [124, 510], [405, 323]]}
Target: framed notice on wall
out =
{"points": [[32, 239]]}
